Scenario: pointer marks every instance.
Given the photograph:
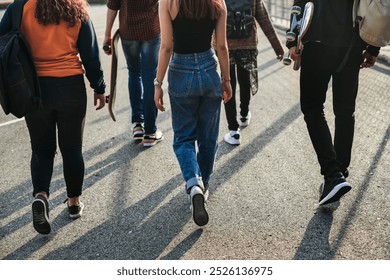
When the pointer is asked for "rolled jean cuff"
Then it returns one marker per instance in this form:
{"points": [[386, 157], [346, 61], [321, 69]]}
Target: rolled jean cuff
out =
{"points": [[194, 181]]}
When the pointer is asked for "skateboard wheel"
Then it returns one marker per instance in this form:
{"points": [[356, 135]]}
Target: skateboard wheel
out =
{"points": [[296, 10], [291, 36], [287, 61]]}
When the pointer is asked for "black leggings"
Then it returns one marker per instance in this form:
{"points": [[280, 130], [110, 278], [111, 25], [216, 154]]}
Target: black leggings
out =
{"points": [[64, 108], [243, 78]]}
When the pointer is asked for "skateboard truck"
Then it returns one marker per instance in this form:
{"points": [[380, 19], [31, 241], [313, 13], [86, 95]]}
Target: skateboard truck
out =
{"points": [[301, 26]]}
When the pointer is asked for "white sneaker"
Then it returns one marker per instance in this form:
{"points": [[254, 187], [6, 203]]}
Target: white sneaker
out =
{"points": [[244, 121], [199, 213], [232, 137]]}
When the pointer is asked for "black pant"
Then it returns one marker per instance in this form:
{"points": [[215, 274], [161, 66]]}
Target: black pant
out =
{"points": [[64, 108], [243, 78], [319, 64]]}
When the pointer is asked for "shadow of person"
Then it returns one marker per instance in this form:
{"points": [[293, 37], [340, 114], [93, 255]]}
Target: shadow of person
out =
{"points": [[315, 243], [183, 246]]}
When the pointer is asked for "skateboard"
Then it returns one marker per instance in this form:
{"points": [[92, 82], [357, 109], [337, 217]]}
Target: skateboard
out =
{"points": [[301, 26], [110, 99]]}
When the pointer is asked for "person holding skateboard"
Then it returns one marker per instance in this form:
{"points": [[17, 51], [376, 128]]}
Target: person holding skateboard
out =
{"points": [[333, 51], [62, 41], [243, 61], [195, 88], [139, 31]]}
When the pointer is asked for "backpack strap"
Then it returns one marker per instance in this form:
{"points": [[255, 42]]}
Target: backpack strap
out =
{"points": [[17, 12]]}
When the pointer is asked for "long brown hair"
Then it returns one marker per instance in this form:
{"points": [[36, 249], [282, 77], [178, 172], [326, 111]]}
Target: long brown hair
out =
{"points": [[53, 11], [197, 9]]}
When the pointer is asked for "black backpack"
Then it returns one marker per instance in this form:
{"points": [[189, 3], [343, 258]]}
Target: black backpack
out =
{"points": [[19, 86], [240, 21]]}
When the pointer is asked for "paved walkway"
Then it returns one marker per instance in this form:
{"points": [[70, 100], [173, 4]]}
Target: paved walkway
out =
{"points": [[264, 193]]}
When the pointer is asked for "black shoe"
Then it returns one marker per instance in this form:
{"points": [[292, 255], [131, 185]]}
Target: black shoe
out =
{"points": [[199, 212], [334, 188], [75, 211], [345, 173], [40, 211]]}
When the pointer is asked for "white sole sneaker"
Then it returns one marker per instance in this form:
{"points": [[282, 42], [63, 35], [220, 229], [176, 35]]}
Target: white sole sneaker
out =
{"points": [[232, 140], [199, 213], [244, 121], [336, 193]]}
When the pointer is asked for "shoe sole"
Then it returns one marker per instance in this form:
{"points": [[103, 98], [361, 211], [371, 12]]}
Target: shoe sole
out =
{"points": [[150, 144], [234, 143], [40, 214], [78, 215], [337, 192], [138, 136], [199, 212]]}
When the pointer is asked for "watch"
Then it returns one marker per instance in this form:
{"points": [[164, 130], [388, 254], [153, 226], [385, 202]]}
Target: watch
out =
{"points": [[157, 82]]}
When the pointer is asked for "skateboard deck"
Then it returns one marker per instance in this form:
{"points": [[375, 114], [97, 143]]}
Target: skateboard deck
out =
{"points": [[114, 71], [301, 26]]}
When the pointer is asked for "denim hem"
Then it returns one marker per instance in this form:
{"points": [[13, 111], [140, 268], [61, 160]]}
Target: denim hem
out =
{"points": [[194, 182]]}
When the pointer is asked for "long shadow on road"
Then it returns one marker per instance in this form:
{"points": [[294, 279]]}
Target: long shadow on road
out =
{"points": [[315, 244]]}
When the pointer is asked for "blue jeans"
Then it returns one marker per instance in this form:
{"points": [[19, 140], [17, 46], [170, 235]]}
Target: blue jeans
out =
{"points": [[195, 92], [142, 58]]}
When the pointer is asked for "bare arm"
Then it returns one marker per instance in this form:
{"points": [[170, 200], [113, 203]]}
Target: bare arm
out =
{"points": [[110, 19], [165, 52], [221, 47]]}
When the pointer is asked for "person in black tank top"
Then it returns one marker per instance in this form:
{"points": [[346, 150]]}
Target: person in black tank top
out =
{"points": [[195, 88]]}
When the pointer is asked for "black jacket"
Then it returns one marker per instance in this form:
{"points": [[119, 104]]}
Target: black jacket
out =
{"points": [[332, 24]]}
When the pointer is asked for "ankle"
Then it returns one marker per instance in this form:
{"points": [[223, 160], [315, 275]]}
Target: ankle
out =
{"points": [[44, 194], [73, 201]]}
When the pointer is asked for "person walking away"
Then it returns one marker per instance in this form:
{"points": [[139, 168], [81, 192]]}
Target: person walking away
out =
{"points": [[63, 41], [243, 65], [333, 51], [195, 88], [139, 30]]}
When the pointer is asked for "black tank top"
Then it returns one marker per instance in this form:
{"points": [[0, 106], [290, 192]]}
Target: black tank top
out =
{"points": [[191, 35]]}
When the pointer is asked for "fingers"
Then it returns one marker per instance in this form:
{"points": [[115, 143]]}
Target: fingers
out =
{"points": [[99, 101], [158, 99], [107, 46]]}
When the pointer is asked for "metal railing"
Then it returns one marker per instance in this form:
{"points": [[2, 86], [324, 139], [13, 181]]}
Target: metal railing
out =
{"points": [[279, 11]]}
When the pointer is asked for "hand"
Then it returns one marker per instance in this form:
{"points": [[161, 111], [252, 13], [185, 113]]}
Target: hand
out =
{"points": [[99, 98], [279, 54], [158, 98], [227, 91], [293, 55], [368, 60], [107, 45]]}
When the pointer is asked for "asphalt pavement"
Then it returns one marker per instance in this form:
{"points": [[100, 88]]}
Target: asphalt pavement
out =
{"points": [[264, 193]]}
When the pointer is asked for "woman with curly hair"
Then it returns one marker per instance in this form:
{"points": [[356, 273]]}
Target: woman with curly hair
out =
{"points": [[195, 88], [63, 43]]}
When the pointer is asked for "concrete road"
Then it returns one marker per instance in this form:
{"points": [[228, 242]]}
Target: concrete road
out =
{"points": [[264, 193]]}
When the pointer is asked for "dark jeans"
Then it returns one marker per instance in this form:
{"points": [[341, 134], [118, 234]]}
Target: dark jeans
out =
{"points": [[64, 107], [319, 64], [243, 78]]}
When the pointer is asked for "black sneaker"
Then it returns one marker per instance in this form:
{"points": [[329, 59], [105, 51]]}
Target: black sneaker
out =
{"points": [[345, 173], [40, 212], [138, 131], [199, 212], [334, 188], [75, 211]]}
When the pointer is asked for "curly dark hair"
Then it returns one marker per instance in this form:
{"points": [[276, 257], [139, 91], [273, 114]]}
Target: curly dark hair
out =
{"points": [[53, 11]]}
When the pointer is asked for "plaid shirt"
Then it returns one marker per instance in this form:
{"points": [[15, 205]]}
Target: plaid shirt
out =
{"points": [[138, 19]]}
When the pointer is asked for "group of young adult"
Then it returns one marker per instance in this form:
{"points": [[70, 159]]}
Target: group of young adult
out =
{"points": [[176, 36]]}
